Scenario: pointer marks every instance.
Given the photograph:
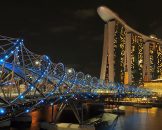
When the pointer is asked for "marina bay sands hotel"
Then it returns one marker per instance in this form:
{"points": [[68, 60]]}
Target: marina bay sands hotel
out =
{"points": [[128, 55]]}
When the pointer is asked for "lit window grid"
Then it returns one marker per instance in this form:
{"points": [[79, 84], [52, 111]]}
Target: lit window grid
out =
{"points": [[139, 41], [155, 48], [120, 41]]}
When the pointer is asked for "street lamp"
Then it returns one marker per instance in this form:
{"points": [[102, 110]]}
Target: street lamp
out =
{"points": [[37, 62], [52, 104], [69, 70]]}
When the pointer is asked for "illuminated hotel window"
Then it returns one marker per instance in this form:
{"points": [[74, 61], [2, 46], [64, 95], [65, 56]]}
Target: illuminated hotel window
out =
{"points": [[136, 56], [119, 48]]}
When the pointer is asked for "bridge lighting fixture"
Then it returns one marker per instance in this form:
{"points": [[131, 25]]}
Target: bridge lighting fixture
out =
{"points": [[69, 70], [27, 110], [21, 96], [37, 62], [31, 87], [1, 60], [2, 111], [6, 56], [47, 57]]}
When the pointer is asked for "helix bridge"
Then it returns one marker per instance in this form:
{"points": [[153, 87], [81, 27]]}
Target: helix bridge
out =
{"points": [[29, 81]]}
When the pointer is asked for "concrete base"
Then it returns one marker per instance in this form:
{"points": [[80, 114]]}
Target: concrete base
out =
{"points": [[5, 123], [65, 126]]}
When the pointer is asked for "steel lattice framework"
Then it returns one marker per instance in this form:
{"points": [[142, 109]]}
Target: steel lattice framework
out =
{"points": [[28, 80]]}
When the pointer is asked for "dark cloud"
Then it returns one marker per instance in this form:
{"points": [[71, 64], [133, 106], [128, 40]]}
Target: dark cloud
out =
{"points": [[60, 29], [158, 31], [85, 13], [98, 38]]}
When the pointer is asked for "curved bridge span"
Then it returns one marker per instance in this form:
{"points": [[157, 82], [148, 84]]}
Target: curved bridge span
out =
{"points": [[29, 80]]}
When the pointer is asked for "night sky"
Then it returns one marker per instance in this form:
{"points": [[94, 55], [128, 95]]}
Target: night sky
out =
{"points": [[70, 31]]}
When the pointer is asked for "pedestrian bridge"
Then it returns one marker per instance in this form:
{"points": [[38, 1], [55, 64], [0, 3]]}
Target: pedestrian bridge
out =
{"points": [[29, 80]]}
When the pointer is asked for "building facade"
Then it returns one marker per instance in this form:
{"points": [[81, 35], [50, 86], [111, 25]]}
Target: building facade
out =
{"points": [[128, 56]]}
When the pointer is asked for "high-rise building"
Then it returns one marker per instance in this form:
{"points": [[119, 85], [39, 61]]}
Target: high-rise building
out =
{"points": [[128, 55]]}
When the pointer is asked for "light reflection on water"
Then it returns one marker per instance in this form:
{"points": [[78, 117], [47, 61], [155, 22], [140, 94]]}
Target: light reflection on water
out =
{"points": [[140, 119], [134, 119]]}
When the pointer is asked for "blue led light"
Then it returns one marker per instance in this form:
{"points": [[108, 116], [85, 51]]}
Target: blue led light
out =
{"points": [[2, 111], [27, 110], [1, 60], [6, 56], [42, 101], [21, 96], [47, 57], [12, 52], [60, 97], [31, 87]]}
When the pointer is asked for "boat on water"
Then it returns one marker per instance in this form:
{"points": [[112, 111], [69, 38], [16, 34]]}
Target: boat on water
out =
{"points": [[142, 105], [120, 110]]}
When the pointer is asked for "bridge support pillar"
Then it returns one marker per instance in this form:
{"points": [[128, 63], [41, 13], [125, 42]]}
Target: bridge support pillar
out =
{"points": [[73, 108]]}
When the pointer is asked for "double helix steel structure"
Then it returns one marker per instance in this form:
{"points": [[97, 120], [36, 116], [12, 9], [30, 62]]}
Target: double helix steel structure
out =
{"points": [[29, 80]]}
